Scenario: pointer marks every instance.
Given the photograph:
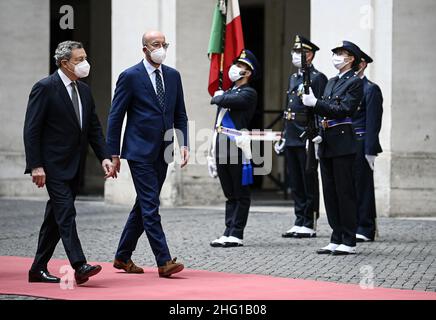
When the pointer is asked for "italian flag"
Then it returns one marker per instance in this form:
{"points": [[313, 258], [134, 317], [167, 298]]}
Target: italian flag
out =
{"points": [[225, 44]]}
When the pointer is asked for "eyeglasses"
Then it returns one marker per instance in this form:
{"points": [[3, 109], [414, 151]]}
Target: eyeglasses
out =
{"points": [[157, 45]]}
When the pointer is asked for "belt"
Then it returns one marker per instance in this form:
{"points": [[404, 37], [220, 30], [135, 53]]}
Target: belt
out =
{"points": [[359, 131], [333, 123]]}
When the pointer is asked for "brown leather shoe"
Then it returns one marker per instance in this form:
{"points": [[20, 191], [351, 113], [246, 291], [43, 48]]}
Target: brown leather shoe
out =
{"points": [[129, 267], [169, 268]]}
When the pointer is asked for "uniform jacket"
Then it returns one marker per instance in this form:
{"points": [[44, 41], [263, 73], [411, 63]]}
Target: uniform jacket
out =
{"points": [[342, 97], [241, 102], [368, 116], [294, 103]]}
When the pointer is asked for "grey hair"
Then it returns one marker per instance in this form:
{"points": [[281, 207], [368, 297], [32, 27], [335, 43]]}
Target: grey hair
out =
{"points": [[64, 49]]}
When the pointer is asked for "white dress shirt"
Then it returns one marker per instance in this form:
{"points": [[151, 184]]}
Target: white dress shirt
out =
{"points": [[151, 73], [67, 82]]}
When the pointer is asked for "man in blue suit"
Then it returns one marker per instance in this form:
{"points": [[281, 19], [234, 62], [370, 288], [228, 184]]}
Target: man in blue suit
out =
{"points": [[152, 96], [367, 123]]}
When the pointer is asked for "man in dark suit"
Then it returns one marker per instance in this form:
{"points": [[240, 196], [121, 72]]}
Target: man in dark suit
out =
{"points": [[304, 183], [151, 95], [337, 151], [236, 108], [367, 123], [60, 123]]}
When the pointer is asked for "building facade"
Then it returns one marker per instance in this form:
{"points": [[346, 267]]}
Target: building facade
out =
{"points": [[396, 33]]}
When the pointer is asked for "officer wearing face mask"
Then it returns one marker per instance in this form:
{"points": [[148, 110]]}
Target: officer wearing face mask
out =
{"points": [[367, 123], [304, 184], [236, 108], [337, 151]]}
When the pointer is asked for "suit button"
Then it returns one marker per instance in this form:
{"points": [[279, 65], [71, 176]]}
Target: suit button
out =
{"points": [[342, 132]]}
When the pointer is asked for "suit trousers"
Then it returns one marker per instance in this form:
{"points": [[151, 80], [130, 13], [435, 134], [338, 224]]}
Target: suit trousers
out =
{"points": [[148, 179], [59, 223], [340, 198], [238, 199], [364, 181], [304, 186]]}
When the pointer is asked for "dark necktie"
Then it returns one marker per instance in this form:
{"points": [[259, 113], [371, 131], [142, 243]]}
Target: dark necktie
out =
{"points": [[75, 99], [159, 89]]}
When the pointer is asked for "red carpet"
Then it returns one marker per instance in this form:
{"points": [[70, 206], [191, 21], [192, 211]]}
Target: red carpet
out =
{"points": [[189, 285]]}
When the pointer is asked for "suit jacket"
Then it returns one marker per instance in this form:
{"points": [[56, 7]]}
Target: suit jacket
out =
{"points": [[147, 123], [294, 104], [340, 100], [53, 138], [369, 116], [241, 102]]}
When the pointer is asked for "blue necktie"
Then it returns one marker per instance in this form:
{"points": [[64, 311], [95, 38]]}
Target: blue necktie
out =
{"points": [[159, 89]]}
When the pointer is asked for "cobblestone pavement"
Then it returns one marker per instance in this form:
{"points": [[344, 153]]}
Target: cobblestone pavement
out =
{"points": [[403, 257]]}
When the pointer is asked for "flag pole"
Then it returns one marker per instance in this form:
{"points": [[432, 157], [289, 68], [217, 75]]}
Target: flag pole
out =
{"points": [[223, 42]]}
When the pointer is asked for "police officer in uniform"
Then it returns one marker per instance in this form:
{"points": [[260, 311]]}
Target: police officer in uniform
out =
{"points": [[303, 183], [338, 148], [367, 124], [234, 170]]}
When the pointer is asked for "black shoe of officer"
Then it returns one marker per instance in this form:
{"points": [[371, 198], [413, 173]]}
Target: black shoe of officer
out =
{"points": [[85, 271], [291, 233], [42, 276]]}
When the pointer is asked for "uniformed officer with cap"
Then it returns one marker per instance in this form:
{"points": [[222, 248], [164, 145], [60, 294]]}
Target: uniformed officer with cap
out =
{"points": [[367, 123], [234, 169], [337, 151], [304, 184]]}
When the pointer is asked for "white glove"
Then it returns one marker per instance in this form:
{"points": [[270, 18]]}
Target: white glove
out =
{"points": [[211, 167], [279, 146], [218, 93], [309, 99], [371, 160], [317, 140]]}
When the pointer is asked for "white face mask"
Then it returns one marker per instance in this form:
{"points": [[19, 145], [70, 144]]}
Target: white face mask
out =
{"points": [[296, 59], [339, 61], [158, 55], [81, 70], [235, 73]]}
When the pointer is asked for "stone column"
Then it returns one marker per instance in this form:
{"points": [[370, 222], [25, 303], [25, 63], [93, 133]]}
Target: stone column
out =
{"points": [[413, 129], [25, 56], [130, 19], [193, 25]]}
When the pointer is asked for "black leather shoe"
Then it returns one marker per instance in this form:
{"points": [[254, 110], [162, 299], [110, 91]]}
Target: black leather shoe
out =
{"points": [[323, 251], [85, 271], [341, 253], [42, 276], [289, 235], [305, 235]]}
